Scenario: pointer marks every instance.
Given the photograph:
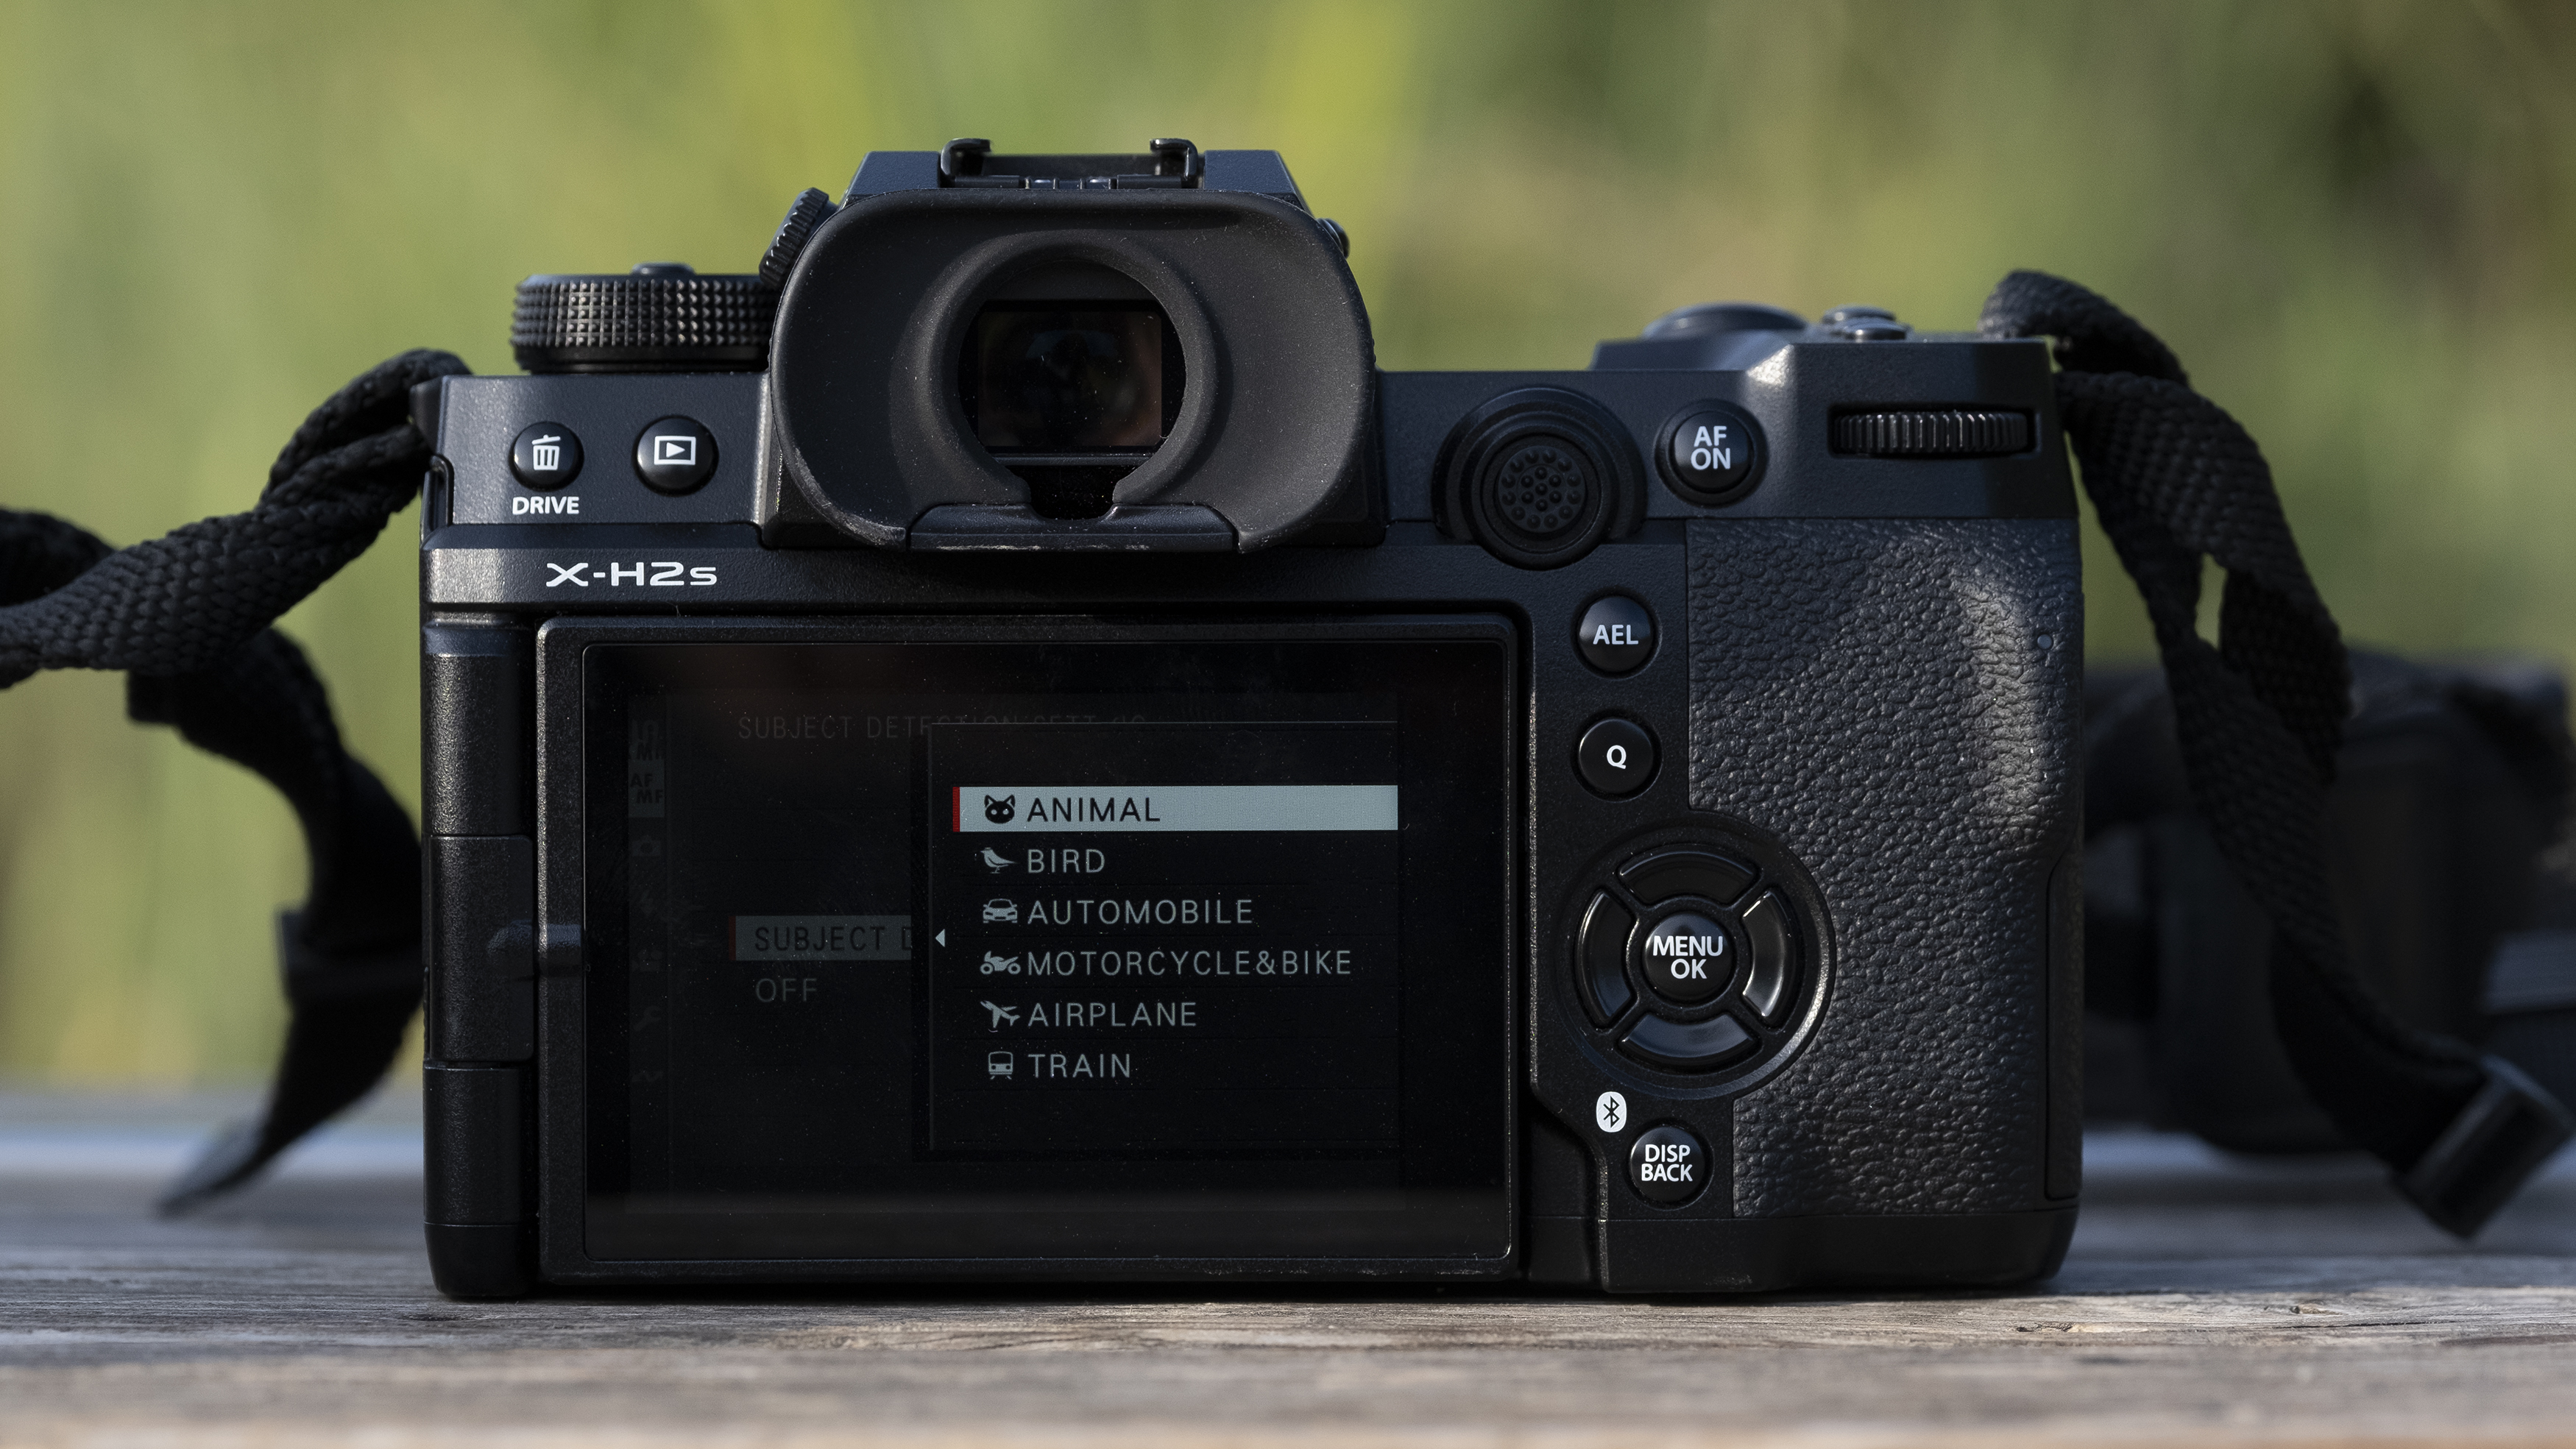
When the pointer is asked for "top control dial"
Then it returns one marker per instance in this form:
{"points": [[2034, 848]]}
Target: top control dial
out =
{"points": [[661, 317]]}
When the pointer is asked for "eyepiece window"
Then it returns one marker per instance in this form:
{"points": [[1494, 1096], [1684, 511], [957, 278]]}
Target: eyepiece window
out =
{"points": [[1071, 395], [1072, 377]]}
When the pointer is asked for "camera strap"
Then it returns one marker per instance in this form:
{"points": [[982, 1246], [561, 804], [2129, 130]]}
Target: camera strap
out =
{"points": [[187, 617], [2258, 718]]}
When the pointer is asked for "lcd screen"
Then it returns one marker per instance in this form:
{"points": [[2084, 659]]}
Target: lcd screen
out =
{"points": [[1022, 949]]}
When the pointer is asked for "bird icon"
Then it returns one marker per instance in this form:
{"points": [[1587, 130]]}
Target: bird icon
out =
{"points": [[995, 862]]}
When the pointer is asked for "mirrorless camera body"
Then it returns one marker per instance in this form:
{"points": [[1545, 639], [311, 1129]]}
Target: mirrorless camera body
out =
{"points": [[1003, 747]]}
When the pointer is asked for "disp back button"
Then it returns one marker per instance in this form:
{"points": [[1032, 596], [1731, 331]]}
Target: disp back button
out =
{"points": [[1668, 1165]]}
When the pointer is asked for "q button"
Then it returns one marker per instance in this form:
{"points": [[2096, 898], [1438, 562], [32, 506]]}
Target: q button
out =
{"points": [[1616, 758]]}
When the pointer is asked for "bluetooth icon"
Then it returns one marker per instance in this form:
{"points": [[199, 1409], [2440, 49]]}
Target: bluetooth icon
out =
{"points": [[1611, 1111]]}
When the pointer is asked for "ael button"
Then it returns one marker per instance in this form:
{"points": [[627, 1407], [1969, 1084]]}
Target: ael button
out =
{"points": [[545, 456], [1668, 1165], [1615, 757], [1615, 635], [675, 455]]}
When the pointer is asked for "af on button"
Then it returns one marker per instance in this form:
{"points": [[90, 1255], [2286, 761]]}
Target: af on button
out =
{"points": [[1616, 757], [675, 455], [1668, 1165], [1711, 453]]}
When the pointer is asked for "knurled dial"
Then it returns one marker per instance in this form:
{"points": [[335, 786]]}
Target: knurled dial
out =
{"points": [[1691, 959], [1932, 433], [660, 317], [809, 211]]}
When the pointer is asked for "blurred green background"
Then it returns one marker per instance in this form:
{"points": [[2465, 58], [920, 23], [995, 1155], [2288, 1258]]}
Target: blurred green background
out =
{"points": [[2352, 220]]}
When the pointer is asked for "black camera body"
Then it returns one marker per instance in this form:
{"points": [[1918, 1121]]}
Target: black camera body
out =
{"points": [[1005, 748]]}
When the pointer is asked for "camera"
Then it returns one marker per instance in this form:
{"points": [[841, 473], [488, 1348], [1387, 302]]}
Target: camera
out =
{"points": [[1002, 746]]}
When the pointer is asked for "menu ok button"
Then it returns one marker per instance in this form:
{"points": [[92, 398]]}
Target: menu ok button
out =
{"points": [[1686, 959]]}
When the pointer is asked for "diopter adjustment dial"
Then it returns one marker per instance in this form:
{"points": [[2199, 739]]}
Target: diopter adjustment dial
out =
{"points": [[811, 209], [661, 317], [1932, 433]]}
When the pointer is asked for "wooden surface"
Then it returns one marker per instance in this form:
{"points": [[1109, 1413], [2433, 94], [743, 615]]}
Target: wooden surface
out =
{"points": [[2205, 1301]]}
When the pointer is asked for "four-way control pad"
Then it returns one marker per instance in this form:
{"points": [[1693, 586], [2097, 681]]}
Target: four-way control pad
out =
{"points": [[1693, 955]]}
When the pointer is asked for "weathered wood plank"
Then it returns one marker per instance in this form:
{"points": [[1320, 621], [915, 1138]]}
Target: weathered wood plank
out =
{"points": [[2204, 1300]]}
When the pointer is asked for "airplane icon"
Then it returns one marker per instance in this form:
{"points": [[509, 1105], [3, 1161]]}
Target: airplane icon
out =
{"points": [[995, 862], [1002, 1015]]}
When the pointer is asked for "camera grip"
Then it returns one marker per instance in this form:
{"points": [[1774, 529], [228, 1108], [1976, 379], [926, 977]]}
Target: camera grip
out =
{"points": [[1899, 703]]}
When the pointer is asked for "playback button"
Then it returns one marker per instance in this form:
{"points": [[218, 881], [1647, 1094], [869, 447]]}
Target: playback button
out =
{"points": [[675, 455], [1668, 1165]]}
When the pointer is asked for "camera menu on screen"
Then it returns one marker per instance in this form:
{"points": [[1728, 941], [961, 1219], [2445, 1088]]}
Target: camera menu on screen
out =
{"points": [[1147, 937]]}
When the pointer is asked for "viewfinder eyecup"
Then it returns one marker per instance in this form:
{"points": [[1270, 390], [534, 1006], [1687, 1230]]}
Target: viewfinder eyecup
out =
{"points": [[976, 367]]}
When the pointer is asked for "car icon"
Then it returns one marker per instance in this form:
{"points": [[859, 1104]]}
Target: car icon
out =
{"points": [[998, 909]]}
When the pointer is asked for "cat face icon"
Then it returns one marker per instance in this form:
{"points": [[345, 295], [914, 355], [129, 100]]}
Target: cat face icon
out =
{"points": [[1000, 811]]}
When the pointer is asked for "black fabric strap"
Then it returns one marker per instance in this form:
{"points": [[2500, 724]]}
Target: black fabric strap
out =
{"points": [[187, 615], [2174, 479]]}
